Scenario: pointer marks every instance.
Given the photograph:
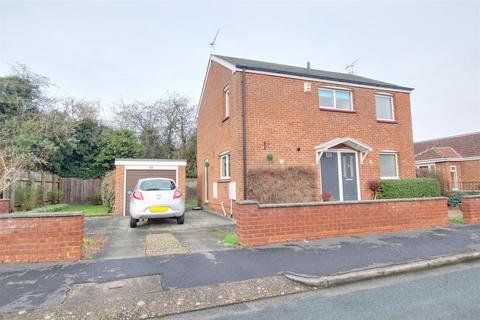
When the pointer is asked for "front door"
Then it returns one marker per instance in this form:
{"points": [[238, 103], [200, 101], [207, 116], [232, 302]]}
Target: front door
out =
{"points": [[339, 175], [349, 176]]}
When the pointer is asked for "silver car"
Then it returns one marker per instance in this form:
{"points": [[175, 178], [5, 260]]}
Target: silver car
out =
{"points": [[156, 198]]}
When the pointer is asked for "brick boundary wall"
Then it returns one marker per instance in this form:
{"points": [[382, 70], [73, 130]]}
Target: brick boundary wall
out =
{"points": [[259, 224], [4, 205], [471, 209], [41, 237]]}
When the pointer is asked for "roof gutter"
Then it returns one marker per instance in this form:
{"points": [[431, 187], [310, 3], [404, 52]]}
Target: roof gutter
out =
{"points": [[244, 127]]}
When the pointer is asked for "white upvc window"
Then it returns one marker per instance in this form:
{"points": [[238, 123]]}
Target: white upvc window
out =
{"points": [[226, 92], [388, 165], [384, 107], [335, 99], [225, 165], [454, 177]]}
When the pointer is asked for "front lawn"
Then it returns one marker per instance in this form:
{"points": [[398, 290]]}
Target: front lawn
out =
{"points": [[192, 202], [88, 209]]}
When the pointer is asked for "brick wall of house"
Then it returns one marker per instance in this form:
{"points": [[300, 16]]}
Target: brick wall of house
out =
{"points": [[41, 237], [119, 193], [285, 121], [4, 205], [471, 172], [471, 209], [216, 134], [264, 224]]}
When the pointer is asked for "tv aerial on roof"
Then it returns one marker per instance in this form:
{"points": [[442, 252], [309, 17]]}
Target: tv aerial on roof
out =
{"points": [[351, 67], [212, 44]]}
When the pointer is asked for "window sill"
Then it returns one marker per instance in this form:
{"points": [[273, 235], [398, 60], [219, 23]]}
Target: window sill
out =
{"points": [[387, 121], [337, 110], [224, 180], [225, 119], [389, 178]]}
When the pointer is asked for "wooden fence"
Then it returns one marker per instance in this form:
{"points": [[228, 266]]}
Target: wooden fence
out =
{"points": [[76, 191]]}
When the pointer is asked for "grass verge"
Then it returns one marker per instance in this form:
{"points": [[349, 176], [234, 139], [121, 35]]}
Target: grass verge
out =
{"points": [[228, 239], [92, 245], [457, 219], [192, 202]]}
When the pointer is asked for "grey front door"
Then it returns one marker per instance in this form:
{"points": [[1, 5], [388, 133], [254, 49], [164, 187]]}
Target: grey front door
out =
{"points": [[340, 181], [349, 176], [329, 173]]}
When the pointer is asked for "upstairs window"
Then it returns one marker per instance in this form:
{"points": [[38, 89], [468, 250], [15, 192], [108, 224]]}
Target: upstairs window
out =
{"points": [[226, 92], [384, 106], [335, 99], [225, 166], [388, 165]]}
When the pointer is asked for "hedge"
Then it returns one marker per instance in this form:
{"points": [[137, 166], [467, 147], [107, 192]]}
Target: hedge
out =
{"points": [[409, 188]]}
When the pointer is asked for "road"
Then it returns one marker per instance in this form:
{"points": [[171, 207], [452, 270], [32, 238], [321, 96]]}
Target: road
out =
{"points": [[26, 287], [445, 293]]}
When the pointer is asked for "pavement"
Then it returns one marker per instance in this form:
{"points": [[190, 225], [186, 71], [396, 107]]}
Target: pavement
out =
{"points": [[446, 293], [125, 242], [25, 287]]}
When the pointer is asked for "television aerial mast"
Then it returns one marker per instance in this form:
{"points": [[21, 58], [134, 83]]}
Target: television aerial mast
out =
{"points": [[212, 44], [350, 67]]}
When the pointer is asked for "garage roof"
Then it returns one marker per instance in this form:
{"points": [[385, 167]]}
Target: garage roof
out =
{"points": [[150, 162]]}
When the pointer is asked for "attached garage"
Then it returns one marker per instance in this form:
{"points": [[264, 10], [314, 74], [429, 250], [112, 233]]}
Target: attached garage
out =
{"points": [[129, 171]]}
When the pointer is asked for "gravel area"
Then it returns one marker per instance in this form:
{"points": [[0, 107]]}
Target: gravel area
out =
{"points": [[164, 243], [135, 305]]}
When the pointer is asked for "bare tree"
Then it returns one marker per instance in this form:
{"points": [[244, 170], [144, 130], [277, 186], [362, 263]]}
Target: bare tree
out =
{"points": [[79, 110], [11, 163]]}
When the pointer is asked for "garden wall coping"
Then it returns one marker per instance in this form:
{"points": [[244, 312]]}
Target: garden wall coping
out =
{"points": [[41, 215], [329, 203]]}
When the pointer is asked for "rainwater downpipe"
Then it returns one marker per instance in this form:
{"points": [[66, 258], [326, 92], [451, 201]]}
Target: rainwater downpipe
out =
{"points": [[244, 126]]}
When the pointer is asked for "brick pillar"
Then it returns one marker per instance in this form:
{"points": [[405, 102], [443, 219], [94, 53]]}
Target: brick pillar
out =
{"points": [[182, 181], [244, 214], [471, 209], [119, 189], [4, 205]]}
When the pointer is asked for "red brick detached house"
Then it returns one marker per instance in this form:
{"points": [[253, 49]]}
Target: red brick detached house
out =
{"points": [[456, 158], [347, 128]]}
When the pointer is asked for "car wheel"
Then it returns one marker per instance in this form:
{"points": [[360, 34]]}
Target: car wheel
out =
{"points": [[133, 223], [181, 219]]}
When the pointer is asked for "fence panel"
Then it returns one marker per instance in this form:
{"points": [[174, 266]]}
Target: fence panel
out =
{"points": [[78, 191]]}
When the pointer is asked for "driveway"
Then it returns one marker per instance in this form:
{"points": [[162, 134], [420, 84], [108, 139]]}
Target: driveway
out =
{"points": [[199, 233]]}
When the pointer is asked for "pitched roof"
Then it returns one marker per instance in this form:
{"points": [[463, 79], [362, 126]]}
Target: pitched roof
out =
{"points": [[461, 146], [311, 73]]}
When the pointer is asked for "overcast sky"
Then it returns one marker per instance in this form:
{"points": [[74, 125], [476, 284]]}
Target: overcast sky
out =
{"points": [[140, 50]]}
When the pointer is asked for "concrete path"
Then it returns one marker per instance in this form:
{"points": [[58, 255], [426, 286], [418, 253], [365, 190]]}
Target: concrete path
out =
{"points": [[125, 242], [33, 286]]}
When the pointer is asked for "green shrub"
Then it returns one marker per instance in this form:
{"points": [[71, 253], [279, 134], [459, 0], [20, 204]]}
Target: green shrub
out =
{"points": [[108, 191], [51, 208], [94, 199], [24, 197], [455, 197], [55, 197], [409, 188], [38, 194]]}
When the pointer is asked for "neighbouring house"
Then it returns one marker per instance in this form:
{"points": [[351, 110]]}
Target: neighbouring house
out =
{"points": [[347, 129], [455, 158]]}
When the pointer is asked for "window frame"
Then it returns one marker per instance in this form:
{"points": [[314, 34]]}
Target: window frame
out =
{"points": [[455, 180], [226, 97], [392, 107], [334, 90], [397, 176], [227, 166]]}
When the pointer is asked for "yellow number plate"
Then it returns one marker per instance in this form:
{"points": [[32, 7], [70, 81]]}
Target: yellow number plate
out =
{"points": [[158, 209]]}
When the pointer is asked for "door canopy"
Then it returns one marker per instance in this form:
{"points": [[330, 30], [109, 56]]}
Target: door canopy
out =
{"points": [[347, 141]]}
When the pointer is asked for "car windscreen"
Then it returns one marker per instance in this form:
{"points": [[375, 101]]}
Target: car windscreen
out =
{"points": [[156, 185]]}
